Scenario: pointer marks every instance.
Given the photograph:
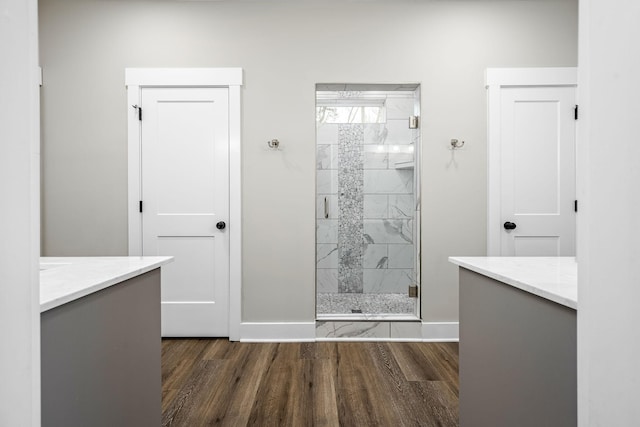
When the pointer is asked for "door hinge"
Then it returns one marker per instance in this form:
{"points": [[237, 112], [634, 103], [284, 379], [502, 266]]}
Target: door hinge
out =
{"points": [[413, 291], [575, 206], [139, 110], [414, 122], [575, 112], [140, 206]]}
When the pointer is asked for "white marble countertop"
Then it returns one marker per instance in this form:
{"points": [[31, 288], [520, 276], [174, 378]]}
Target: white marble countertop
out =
{"points": [[65, 279], [552, 278]]}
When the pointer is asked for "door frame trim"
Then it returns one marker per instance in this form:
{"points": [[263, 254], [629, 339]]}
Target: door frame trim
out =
{"points": [[232, 78], [495, 80]]}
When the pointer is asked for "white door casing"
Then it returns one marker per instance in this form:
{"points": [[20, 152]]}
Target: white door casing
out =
{"points": [[186, 170], [531, 161]]}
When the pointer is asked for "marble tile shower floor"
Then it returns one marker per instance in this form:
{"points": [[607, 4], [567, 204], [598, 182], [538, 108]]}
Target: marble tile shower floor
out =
{"points": [[364, 304]]}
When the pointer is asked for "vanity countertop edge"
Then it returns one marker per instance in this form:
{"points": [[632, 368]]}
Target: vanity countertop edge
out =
{"points": [[552, 278], [66, 279]]}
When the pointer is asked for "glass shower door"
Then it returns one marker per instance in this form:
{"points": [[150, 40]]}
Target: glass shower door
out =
{"points": [[367, 210]]}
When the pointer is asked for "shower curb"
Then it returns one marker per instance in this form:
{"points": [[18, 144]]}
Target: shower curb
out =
{"points": [[349, 331]]}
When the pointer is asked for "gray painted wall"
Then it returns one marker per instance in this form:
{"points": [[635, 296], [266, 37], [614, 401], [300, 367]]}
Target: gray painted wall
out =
{"points": [[285, 48]]}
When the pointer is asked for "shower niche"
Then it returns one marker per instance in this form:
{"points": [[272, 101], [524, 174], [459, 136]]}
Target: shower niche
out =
{"points": [[367, 204]]}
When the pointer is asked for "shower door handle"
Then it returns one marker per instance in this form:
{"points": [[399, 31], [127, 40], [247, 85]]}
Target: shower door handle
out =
{"points": [[326, 208]]}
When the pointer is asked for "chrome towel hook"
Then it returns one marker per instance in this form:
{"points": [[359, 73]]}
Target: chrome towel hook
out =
{"points": [[456, 144], [274, 144]]}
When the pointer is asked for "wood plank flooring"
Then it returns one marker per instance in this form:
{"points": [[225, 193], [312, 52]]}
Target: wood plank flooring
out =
{"points": [[217, 382]]}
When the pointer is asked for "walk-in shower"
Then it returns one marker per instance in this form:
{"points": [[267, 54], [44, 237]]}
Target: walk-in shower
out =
{"points": [[367, 208]]}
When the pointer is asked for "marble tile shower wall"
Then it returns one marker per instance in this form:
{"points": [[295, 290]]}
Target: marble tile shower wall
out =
{"points": [[366, 243]]}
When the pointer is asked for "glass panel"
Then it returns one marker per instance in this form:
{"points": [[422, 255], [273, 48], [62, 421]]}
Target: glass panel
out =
{"points": [[366, 204], [347, 114]]}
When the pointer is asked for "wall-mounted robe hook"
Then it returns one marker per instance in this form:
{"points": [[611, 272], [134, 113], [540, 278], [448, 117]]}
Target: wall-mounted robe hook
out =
{"points": [[274, 143], [456, 144]]}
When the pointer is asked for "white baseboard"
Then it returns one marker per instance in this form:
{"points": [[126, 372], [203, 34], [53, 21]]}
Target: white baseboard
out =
{"points": [[277, 331], [440, 331]]}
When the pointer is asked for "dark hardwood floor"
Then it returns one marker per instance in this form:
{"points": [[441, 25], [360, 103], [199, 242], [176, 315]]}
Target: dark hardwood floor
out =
{"points": [[217, 382]]}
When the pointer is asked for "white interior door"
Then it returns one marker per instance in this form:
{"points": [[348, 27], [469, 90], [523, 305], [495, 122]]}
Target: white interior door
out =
{"points": [[185, 194], [537, 184]]}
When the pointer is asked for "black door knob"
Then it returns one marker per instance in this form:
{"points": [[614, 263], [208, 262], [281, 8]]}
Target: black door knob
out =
{"points": [[221, 225], [509, 225]]}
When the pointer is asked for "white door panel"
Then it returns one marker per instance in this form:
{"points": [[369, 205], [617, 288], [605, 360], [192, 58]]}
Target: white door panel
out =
{"points": [[535, 152], [535, 245], [537, 161], [185, 152], [185, 192], [186, 225], [189, 319], [194, 254]]}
